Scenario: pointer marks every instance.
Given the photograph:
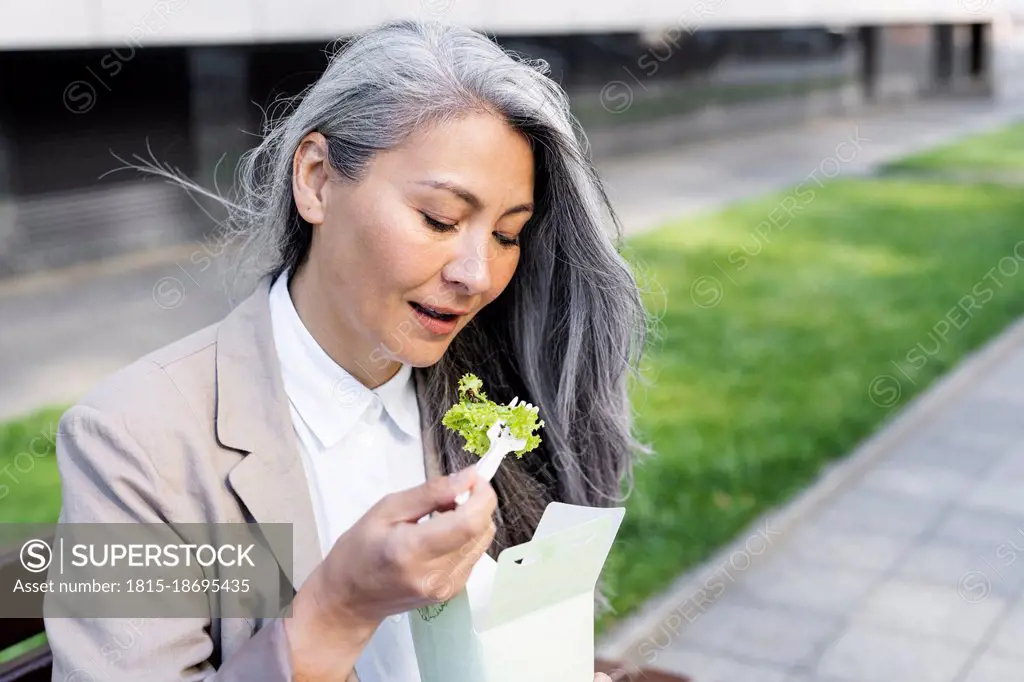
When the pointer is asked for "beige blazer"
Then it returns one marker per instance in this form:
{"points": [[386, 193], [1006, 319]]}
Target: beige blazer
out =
{"points": [[198, 431]]}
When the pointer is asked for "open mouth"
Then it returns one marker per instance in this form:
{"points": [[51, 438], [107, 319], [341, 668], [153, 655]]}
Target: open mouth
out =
{"points": [[430, 312]]}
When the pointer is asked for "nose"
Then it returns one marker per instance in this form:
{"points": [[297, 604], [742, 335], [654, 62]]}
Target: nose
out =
{"points": [[470, 264]]}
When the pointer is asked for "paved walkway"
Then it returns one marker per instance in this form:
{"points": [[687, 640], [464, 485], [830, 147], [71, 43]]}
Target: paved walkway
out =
{"points": [[64, 333], [906, 564], [657, 187]]}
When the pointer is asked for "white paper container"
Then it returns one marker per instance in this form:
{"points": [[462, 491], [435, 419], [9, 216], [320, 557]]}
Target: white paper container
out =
{"points": [[528, 616]]}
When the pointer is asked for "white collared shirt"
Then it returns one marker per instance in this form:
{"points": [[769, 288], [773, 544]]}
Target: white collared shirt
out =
{"points": [[357, 445]]}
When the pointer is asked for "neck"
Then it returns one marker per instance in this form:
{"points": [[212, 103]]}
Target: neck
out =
{"points": [[345, 345]]}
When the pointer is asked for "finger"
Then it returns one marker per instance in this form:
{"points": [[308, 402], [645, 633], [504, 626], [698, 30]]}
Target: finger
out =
{"points": [[437, 494], [468, 519], [456, 567], [601, 677], [451, 531], [469, 554]]}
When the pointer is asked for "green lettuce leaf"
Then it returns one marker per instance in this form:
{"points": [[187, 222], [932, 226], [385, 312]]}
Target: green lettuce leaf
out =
{"points": [[475, 412]]}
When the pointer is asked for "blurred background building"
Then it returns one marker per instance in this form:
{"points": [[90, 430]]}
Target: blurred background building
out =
{"points": [[186, 82]]}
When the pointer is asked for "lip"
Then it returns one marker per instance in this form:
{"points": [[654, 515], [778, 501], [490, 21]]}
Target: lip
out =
{"points": [[442, 310], [434, 325]]}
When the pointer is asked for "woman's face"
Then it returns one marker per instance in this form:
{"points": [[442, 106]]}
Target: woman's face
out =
{"points": [[401, 262]]}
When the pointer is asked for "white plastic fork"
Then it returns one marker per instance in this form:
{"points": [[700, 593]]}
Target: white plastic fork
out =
{"points": [[502, 442]]}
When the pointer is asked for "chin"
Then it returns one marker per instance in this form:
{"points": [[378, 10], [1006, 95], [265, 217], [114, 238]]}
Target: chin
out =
{"points": [[424, 355]]}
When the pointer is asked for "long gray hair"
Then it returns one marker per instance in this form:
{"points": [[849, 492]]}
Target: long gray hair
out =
{"points": [[566, 334]]}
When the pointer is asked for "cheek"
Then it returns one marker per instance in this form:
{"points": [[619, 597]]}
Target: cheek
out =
{"points": [[383, 254], [405, 258], [502, 270]]}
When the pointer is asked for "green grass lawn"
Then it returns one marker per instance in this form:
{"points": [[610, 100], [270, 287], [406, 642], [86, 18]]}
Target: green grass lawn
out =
{"points": [[29, 484], [751, 395], [997, 151]]}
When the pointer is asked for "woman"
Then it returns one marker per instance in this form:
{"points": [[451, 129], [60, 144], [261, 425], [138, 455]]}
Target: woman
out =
{"points": [[426, 210]]}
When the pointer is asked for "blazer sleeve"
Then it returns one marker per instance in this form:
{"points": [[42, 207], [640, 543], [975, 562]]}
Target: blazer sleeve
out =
{"points": [[107, 478]]}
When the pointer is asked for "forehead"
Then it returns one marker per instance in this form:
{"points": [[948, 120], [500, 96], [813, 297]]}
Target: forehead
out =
{"points": [[480, 151]]}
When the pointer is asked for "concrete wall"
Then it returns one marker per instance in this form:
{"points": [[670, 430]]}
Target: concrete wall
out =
{"points": [[42, 24]]}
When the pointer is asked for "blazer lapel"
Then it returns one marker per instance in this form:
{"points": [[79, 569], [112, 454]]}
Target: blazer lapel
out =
{"points": [[252, 416]]}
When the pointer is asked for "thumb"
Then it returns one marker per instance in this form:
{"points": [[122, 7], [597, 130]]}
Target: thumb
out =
{"points": [[437, 494]]}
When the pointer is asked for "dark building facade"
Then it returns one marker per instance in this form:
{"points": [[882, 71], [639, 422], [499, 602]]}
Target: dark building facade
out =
{"points": [[68, 118]]}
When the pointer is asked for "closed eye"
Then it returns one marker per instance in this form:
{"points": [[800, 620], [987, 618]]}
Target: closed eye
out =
{"points": [[505, 240], [437, 224]]}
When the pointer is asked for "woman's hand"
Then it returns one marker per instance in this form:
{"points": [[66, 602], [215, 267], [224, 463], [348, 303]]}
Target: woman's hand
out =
{"points": [[601, 677], [387, 563]]}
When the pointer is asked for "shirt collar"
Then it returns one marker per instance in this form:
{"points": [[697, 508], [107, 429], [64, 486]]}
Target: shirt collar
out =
{"points": [[399, 397], [327, 397]]}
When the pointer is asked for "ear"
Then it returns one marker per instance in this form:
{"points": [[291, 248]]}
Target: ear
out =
{"points": [[309, 175]]}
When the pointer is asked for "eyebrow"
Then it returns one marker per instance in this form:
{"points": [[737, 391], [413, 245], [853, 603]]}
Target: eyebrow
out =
{"points": [[471, 198]]}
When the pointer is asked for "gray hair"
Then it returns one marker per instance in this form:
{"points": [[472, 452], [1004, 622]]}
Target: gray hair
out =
{"points": [[566, 334]]}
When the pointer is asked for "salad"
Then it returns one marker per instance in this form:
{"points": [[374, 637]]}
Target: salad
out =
{"points": [[475, 412]]}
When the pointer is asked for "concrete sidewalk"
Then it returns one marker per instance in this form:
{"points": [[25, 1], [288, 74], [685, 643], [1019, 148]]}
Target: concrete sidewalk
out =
{"points": [[656, 187], [901, 564], [63, 332]]}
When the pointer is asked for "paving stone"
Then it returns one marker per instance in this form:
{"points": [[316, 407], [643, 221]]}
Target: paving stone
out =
{"points": [[995, 668], [1008, 639], [998, 495], [984, 531], [864, 509], [926, 610], [702, 667], [978, 414], [919, 480], [1010, 466], [788, 581], [976, 573], [1004, 384], [780, 636], [1004, 388], [969, 453], [943, 434], [869, 654], [1012, 365], [845, 548]]}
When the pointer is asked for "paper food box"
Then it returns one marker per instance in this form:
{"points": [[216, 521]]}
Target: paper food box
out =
{"points": [[530, 614]]}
